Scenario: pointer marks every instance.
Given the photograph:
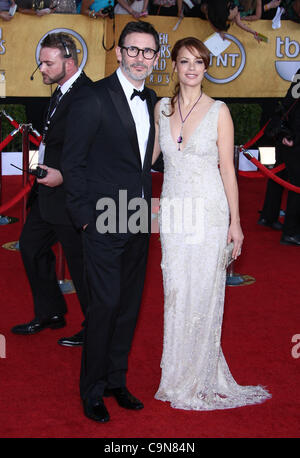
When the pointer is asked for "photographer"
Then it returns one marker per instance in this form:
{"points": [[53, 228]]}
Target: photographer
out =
{"points": [[222, 13]]}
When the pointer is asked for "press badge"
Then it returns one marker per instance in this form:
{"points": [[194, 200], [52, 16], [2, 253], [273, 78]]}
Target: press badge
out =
{"points": [[41, 153]]}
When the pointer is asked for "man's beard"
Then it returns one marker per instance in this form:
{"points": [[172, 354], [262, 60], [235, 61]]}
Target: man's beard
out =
{"points": [[57, 78], [136, 76]]}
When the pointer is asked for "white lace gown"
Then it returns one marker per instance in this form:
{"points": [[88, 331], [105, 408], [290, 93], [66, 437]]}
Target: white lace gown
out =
{"points": [[195, 375]]}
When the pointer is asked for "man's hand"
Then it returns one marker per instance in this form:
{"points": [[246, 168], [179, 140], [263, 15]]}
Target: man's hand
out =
{"points": [[53, 178], [287, 142]]}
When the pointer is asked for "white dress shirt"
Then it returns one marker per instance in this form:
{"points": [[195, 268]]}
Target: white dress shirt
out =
{"points": [[139, 113]]}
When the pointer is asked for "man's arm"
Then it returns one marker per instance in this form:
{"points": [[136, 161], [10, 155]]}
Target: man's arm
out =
{"points": [[82, 124]]}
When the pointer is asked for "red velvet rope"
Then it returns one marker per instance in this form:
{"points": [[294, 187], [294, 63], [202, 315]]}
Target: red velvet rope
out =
{"points": [[271, 174], [7, 140], [4, 143], [17, 197], [34, 139], [256, 137], [255, 174]]}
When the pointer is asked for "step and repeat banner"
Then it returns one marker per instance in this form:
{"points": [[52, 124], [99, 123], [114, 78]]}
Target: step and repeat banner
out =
{"points": [[245, 69], [20, 43]]}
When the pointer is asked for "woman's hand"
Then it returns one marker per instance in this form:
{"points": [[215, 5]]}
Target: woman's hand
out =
{"points": [[235, 235]]}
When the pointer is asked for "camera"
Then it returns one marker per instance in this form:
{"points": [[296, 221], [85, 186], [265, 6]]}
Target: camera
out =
{"points": [[281, 131], [279, 127], [110, 11]]}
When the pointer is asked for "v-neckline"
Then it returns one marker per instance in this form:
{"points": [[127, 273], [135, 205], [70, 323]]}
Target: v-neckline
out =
{"points": [[194, 131]]}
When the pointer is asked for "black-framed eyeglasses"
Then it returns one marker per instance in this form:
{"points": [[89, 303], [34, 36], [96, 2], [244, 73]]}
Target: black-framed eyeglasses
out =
{"points": [[133, 51]]}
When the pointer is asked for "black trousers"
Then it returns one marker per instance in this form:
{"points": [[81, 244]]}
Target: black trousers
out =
{"points": [[36, 242], [272, 203], [274, 192], [116, 267], [291, 157]]}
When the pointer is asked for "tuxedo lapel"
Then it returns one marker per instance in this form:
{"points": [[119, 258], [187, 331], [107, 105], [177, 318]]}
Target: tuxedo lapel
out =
{"points": [[149, 149], [120, 102]]}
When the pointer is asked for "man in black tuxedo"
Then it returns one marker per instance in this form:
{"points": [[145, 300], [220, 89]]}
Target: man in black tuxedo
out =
{"points": [[286, 135], [290, 154], [48, 221], [107, 167]]}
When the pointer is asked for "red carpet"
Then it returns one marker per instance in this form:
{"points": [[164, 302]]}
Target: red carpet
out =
{"points": [[39, 394]]}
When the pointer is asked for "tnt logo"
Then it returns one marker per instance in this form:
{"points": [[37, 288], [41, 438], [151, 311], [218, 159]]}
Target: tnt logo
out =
{"points": [[231, 62], [287, 47], [2, 346]]}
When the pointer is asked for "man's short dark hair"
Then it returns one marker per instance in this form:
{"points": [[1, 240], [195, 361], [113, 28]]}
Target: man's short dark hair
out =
{"points": [[139, 27], [63, 42]]}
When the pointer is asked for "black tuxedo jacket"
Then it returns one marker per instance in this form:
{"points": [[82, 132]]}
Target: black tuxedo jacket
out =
{"points": [[101, 153], [52, 201]]}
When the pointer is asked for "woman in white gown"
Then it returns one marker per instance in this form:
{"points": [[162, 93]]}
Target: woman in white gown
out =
{"points": [[199, 216]]}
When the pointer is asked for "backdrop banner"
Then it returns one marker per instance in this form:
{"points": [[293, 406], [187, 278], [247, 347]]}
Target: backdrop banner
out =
{"points": [[20, 43], [245, 68]]}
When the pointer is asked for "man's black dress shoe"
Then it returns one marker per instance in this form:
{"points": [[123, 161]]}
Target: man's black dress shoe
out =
{"points": [[95, 410], [290, 240], [55, 322], [73, 341], [277, 225], [124, 398]]}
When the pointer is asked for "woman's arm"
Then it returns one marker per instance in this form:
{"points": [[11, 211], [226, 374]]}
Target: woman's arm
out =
{"points": [[85, 9], [272, 4], [128, 8], [144, 11], [257, 15], [179, 8], [243, 26], [39, 13], [227, 170], [156, 150]]}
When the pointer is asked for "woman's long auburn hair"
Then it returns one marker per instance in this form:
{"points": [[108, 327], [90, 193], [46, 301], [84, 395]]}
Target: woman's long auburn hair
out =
{"points": [[192, 44]]}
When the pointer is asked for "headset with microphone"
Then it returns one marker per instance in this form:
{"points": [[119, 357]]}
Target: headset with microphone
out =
{"points": [[31, 77], [67, 55]]}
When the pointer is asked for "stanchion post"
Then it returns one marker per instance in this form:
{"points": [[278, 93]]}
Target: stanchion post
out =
{"points": [[25, 153], [60, 264], [3, 218], [1, 159]]}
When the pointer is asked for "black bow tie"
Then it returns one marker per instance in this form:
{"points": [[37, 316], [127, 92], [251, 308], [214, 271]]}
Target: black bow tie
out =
{"points": [[142, 94]]}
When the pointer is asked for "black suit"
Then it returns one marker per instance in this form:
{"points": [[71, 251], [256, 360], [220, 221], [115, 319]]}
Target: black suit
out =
{"points": [[101, 157], [290, 156], [48, 222]]}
